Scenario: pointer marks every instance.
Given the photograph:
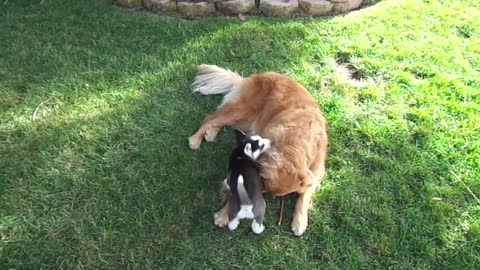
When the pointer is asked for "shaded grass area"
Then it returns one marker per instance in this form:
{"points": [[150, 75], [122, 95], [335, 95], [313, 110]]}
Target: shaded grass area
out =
{"points": [[101, 176]]}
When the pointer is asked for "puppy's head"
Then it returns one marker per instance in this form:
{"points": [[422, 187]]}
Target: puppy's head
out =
{"points": [[253, 145]]}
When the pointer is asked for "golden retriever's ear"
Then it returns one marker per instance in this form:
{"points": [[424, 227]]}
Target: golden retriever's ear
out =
{"points": [[289, 167], [306, 178]]}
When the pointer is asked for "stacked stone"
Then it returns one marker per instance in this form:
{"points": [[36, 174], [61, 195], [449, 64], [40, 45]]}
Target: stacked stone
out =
{"points": [[271, 8]]}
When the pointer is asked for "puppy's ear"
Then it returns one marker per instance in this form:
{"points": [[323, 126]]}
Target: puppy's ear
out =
{"points": [[239, 135], [248, 151]]}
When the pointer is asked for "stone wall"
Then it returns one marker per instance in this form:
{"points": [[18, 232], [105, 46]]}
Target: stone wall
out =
{"points": [[271, 8]]}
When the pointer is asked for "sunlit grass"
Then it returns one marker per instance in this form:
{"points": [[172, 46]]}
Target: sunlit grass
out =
{"points": [[96, 108]]}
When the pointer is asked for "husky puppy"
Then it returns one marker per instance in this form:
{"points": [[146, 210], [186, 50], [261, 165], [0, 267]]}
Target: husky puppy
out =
{"points": [[244, 182]]}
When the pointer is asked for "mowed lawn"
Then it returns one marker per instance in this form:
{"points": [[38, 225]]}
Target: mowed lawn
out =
{"points": [[96, 108]]}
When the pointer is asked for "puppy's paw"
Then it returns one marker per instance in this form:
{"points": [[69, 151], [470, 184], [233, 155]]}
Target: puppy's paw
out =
{"points": [[232, 225], [299, 226], [194, 143], [220, 220], [257, 228]]}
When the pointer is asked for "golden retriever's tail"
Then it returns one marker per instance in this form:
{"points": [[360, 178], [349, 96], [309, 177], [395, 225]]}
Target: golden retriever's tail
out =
{"points": [[212, 80]]}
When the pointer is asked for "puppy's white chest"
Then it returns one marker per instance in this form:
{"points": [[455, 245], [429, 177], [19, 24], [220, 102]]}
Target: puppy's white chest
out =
{"points": [[246, 211]]}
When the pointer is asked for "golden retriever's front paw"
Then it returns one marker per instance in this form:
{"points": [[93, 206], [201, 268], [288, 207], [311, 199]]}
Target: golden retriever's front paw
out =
{"points": [[220, 219], [194, 143], [299, 225]]}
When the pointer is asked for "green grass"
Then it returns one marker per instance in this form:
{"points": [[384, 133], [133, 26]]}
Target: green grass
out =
{"points": [[102, 178]]}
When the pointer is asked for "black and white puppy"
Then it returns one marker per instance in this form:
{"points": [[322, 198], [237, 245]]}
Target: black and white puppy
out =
{"points": [[244, 182]]}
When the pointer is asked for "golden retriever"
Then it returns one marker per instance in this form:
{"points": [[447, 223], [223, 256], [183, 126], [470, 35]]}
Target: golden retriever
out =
{"points": [[276, 107]]}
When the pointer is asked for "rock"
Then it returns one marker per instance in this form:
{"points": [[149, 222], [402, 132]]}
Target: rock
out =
{"points": [[160, 5], [340, 6], [210, 1], [315, 7], [192, 9], [233, 7], [130, 3], [278, 8]]}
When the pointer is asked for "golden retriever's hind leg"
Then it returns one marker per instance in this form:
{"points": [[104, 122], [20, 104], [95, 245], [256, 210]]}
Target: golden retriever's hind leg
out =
{"points": [[205, 131], [227, 115], [194, 141], [300, 217], [211, 134]]}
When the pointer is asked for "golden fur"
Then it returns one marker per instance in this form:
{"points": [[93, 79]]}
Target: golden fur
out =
{"points": [[276, 107]]}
